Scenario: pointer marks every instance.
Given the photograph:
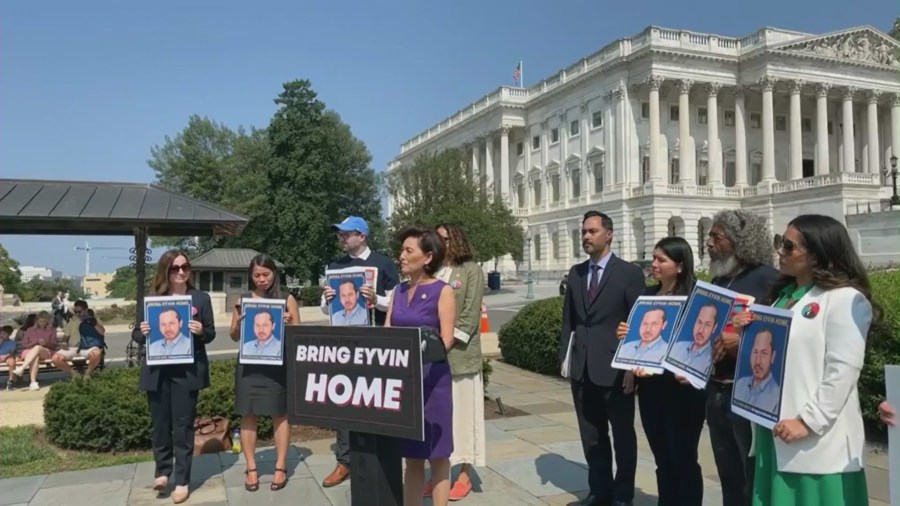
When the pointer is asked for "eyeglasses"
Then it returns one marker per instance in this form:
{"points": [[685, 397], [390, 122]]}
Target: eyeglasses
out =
{"points": [[183, 268], [788, 246]]}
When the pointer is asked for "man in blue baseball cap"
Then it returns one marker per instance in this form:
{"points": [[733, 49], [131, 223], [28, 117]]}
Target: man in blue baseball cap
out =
{"points": [[352, 233]]}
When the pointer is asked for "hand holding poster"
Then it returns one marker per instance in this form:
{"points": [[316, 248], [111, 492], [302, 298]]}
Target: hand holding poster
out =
{"points": [[690, 352], [170, 340], [262, 331], [348, 307], [760, 366], [650, 326]]}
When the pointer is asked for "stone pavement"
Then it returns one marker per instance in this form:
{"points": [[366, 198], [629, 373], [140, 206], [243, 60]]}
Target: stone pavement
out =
{"points": [[532, 460]]}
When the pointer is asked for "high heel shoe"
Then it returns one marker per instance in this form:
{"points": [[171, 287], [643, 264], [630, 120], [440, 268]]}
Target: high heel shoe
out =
{"points": [[280, 485], [251, 487]]}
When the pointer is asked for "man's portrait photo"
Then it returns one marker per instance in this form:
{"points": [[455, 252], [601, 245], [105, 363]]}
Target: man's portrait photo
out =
{"points": [[348, 307], [759, 373], [650, 326], [170, 341], [262, 332], [695, 352]]}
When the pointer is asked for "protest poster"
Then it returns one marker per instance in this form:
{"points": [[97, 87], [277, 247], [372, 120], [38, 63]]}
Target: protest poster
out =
{"points": [[759, 375], [363, 379], [892, 388], [169, 340], [262, 331], [348, 307], [690, 350], [651, 324]]}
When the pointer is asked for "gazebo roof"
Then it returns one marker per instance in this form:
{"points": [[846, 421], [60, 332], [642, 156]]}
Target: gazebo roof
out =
{"points": [[226, 259]]}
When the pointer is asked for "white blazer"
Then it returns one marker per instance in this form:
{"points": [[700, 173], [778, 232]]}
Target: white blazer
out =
{"points": [[824, 356]]}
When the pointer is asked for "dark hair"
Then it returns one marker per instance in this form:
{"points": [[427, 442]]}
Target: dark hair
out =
{"points": [[657, 308], [29, 322], [267, 313], [459, 249], [679, 251], [172, 309], [429, 242], [766, 330], [266, 262], [835, 263], [605, 220], [8, 329], [80, 303], [161, 279]]}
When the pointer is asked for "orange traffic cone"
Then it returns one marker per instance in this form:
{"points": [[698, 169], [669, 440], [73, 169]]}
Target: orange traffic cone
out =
{"points": [[485, 327]]}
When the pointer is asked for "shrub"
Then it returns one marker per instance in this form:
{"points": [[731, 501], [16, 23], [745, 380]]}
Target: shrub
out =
{"points": [[310, 296], [115, 312], [531, 339], [486, 370], [109, 413]]}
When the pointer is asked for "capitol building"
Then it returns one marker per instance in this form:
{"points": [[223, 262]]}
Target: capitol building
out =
{"points": [[665, 128]]}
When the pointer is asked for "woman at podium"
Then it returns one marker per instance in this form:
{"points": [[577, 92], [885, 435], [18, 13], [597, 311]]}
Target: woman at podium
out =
{"points": [[427, 302]]}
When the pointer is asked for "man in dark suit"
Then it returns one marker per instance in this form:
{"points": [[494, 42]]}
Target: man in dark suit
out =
{"points": [[600, 294]]}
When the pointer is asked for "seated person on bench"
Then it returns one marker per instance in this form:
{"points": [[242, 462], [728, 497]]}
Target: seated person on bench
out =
{"points": [[38, 344], [90, 345], [7, 348]]}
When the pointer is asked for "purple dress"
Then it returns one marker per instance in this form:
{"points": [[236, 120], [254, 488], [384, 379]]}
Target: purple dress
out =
{"points": [[422, 311]]}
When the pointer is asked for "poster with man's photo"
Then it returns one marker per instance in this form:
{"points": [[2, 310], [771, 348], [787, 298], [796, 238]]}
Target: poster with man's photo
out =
{"points": [[348, 307], [262, 331], [690, 352], [650, 327], [759, 374], [169, 340]]}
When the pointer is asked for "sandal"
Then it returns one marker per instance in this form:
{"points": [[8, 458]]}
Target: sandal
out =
{"points": [[251, 487], [280, 485]]}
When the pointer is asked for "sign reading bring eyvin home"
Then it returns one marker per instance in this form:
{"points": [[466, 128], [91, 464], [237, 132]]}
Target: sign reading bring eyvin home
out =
{"points": [[363, 379]]}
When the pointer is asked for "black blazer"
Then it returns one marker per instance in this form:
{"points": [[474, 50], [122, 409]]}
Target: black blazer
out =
{"points": [[190, 376], [594, 323]]}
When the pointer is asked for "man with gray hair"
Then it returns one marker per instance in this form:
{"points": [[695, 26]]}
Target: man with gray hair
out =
{"points": [[740, 254]]}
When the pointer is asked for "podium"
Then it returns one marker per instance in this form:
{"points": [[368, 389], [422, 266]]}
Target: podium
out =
{"points": [[367, 380]]}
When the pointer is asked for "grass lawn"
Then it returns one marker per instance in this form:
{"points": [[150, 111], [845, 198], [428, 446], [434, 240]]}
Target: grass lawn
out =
{"points": [[25, 452]]}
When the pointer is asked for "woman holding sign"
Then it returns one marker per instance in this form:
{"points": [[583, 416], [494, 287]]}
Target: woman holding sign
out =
{"points": [[426, 302], [172, 390], [261, 390], [814, 454], [672, 413]]}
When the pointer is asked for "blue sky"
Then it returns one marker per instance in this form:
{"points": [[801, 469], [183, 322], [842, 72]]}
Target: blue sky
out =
{"points": [[86, 88]]}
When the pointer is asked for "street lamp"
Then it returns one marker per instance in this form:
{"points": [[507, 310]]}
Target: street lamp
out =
{"points": [[529, 280], [895, 200]]}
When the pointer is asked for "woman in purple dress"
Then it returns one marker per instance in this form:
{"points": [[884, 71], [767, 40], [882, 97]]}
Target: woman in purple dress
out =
{"points": [[426, 302]]}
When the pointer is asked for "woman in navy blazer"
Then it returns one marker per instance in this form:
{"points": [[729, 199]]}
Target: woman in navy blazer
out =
{"points": [[172, 390]]}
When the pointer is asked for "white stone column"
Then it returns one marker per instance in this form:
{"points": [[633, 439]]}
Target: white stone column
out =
{"points": [[874, 153], [619, 97], [822, 163], [740, 138], [796, 132], [504, 163], [847, 119], [768, 126], [657, 167], [712, 123], [685, 160], [489, 161], [895, 126], [475, 145]]}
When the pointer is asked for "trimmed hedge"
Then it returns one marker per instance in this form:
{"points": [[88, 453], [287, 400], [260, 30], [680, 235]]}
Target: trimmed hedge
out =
{"points": [[531, 339], [309, 296], [109, 413]]}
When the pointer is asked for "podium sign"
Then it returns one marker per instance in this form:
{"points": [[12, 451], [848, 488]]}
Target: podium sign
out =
{"points": [[362, 379]]}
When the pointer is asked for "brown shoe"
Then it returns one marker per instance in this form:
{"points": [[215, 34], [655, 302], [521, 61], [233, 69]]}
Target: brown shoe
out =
{"points": [[340, 473]]}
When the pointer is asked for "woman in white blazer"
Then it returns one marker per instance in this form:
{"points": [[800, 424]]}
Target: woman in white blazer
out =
{"points": [[814, 455]]}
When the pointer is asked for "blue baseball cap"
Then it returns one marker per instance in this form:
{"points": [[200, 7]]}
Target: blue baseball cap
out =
{"points": [[352, 224]]}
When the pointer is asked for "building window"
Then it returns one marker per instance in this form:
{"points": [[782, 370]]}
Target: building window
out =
{"points": [[729, 118], [781, 123], [729, 173], [673, 113], [537, 247], [597, 119], [830, 128], [218, 281], [554, 136], [645, 169], [645, 110], [806, 125], [554, 187], [536, 142], [755, 120], [702, 172], [576, 183], [598, 175], [755, 173], [235, 282], [576, 243], [536, 189], [520, 149], [554, 245], [702, 116], [674, 171], [520, 195], [574, 128]]}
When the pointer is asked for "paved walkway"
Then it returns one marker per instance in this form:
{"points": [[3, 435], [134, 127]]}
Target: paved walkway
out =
{"points": [[532, 460]]}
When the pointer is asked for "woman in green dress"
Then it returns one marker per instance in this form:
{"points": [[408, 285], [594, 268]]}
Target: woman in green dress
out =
{"points": [[814, 454]]}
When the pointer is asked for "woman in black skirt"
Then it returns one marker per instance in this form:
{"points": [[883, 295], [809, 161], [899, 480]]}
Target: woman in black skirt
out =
{"points": [[261, 390]]}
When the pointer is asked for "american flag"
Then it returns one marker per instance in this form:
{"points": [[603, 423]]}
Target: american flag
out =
{"points": [[517, 73]]}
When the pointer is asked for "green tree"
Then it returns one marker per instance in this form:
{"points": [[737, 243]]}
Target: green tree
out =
{"points": [[124, 282], [43, 290], [318, 174], [10, 275], [438, 188]]}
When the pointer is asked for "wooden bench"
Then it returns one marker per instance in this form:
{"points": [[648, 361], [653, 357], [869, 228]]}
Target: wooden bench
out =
{"points": [[46, 366]]}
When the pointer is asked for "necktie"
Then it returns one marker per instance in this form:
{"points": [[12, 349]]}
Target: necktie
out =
{"points": [[594, 286]]}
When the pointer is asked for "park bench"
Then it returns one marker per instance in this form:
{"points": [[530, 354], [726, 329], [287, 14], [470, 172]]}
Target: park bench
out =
{"points": [[46, 366]]}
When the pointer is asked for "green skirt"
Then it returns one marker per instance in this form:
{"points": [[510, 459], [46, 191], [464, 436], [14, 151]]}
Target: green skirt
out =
{"points": [[774, 488]]}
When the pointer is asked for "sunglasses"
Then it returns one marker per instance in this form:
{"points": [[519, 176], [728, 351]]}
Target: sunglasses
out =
{"points": [[183, 268], [788, 246]]}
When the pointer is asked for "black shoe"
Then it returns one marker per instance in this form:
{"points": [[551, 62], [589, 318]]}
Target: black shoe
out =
{"points": [[251, 487], [280, 485], [623, 503], [590, 500]]}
